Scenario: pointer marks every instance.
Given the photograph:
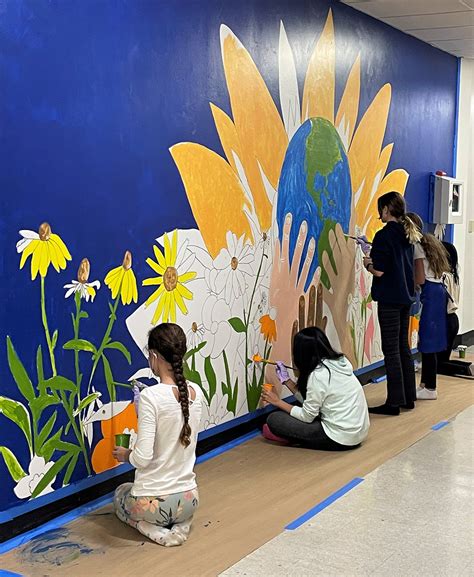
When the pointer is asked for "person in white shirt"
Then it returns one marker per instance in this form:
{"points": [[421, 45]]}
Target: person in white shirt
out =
{"points": [[334, 414], [161, 501]]}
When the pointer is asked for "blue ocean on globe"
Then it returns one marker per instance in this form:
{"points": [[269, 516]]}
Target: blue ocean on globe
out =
{"points": [[314, 186]]}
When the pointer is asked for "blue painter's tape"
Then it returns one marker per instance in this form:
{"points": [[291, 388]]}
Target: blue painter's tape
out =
{"points": [[379, 379], [318, 508], [440, 425], [5, 573], [55, 523], [227, 446]]}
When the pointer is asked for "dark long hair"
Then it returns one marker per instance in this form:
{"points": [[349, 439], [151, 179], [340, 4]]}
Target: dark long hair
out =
{"points": [[169, 340], [395, 203], [453, 260], [311, 348]]}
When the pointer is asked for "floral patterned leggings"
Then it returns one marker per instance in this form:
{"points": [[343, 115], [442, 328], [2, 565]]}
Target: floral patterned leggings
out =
{"points": [[165, 519]]}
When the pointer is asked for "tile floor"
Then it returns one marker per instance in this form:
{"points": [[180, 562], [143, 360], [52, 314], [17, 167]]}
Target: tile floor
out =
{"points": [[411, 517]]}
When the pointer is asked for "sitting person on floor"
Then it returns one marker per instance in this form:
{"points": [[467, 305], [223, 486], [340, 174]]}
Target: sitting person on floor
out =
{"points": [[334, 414], [161, 501]]}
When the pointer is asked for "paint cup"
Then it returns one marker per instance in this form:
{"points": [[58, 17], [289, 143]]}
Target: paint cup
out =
{"points": [[122, 440], [462, 351], [267, 387]]}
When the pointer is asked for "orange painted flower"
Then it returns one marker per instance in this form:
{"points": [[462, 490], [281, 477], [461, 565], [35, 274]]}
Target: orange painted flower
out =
{"points": [[268, 328], [257, 359], [102, 459]]}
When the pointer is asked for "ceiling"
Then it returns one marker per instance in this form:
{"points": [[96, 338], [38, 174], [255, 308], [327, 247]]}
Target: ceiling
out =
{"points": [[446, 24]]}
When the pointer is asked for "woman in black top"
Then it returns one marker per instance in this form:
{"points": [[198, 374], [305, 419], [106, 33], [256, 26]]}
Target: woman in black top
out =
{"points": [[393, 287]]}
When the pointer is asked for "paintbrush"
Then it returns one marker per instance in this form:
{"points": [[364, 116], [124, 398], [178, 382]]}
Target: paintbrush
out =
{"points": [[259, 359]]}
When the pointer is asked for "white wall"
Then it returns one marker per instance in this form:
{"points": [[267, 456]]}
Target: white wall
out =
{"points": [[463, 239]]}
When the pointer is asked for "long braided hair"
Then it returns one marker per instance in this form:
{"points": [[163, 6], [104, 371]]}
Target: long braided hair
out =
{"points": [[169, 340]]}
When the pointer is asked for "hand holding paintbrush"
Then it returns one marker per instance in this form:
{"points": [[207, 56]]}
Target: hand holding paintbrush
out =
{"points": [[258, 359]]}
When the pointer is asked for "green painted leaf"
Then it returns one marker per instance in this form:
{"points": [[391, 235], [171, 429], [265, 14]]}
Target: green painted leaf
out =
{"points": [[70, 469], [83, 315], [324, 246], [86, 402], [46, 430], [109, 378], [65, 446], [80, 345], [54, 340], [48, 448], [210, 376], [39, 404], [13, 466], [19, 373], [192, 352], [59, 383], [51, 474], [194, 376], [39, 366], [120, 347], [237, 324], [17, 412]]}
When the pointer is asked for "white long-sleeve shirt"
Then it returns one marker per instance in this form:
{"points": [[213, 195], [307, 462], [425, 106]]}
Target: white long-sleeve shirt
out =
{"points": [[163, 465], [337, 397]]}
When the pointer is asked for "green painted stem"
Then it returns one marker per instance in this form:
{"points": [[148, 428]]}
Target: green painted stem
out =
{"points": [[46, 329], [78, 432], [112, 319]]}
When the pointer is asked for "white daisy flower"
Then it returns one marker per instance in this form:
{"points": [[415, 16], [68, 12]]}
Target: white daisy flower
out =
{"points": [[195, 335], [81, 285], [233, 263]]}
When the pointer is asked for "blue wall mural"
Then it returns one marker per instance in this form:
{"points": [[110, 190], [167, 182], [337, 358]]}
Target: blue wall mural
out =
{"points": [[109, 176]]}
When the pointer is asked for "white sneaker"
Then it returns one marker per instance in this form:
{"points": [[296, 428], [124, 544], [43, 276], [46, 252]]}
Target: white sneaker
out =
{"points": [[471, 369], [419, 388], [426, 394]]}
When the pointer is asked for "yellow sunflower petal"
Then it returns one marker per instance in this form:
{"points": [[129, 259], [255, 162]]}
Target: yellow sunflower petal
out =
{"points": [[180, 302], [112, 274], [367, 202], [346, 117], [63, 248], [36, 260], [172, 306], [154, 295], [158, 310], [167, 247], [184, 292], [257, 121], [29, 250], [56, 257], [133, 285], [318, 93], [125, 291], [45, 259], [116, 284], [90, 290], [160, 265], [205, 175], [227, 134], [395, 180], [365, 148], [166, 308], [174, 247], [156, 267], [187, 276], [157, 280]]}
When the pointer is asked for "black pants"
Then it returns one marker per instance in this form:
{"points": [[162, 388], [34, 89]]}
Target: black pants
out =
{"points": [[445, 365], [309, 435], [429, 369], [394, 321]]}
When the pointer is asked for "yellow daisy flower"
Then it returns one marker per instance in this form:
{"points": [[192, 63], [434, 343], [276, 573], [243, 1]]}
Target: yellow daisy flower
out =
{"points": [[173, 270], [121, 280], [45, 248]]}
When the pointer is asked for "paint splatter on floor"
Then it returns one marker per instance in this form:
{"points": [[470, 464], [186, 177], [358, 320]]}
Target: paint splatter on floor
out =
{"points": [[54, 547]]}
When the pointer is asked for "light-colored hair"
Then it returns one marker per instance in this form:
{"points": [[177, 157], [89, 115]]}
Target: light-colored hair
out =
{"points": [[436, 254], [395, 203]]}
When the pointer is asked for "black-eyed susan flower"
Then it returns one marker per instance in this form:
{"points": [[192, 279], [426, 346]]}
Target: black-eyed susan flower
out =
{"points": [[173, 272], [86, 289], [121, 281], [45, 248]]}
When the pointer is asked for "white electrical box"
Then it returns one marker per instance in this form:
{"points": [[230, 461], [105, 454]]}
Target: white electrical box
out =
{"points": [[448, 200]]}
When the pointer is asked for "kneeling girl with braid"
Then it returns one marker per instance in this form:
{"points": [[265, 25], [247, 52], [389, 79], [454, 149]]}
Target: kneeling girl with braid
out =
{"points": [[161, 501]]}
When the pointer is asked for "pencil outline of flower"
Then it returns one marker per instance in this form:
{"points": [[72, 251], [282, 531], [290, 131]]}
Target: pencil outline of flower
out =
{"points": [[195, 335], [172, 267], [81, 285], [121, 281], [233, 263], [45, 249]]}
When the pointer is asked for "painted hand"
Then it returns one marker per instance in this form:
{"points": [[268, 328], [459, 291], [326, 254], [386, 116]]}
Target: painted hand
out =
{"points": [[121, 454], [342, 282], [287, 290]]}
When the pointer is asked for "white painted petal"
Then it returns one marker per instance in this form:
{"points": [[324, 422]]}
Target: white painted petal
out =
{"points": [[207, 309], [223, 337], [208, 348], [246, 268], [186, 264], [70, 292], [231, 242], [95, 284], [221, 311], [240, 250], [107, 411], [222, 279], [289, 94], [181, 253], [239, 284], [22, 488], [223, 259], [22, 244], [229, 287], [202, 256], [145, 373]]}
